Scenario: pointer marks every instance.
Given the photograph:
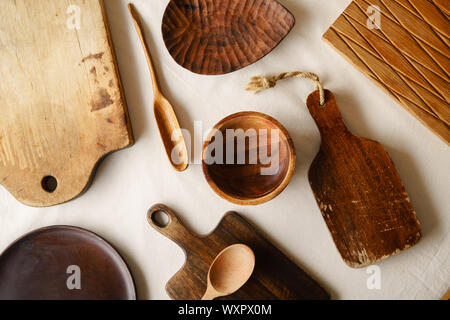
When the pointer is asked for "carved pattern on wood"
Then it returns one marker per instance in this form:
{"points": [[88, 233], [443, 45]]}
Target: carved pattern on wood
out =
{"points": [[408, 56], [216, 37]]}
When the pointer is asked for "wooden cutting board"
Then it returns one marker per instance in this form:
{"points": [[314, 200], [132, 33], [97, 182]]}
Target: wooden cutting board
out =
{"points": [[275, 276], [359, 191], [61, 100], [408, 57]]}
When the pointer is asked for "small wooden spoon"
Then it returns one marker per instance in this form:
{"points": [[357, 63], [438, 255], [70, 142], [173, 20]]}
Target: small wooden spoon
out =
{"points": [[165, 116], [231, 269]]}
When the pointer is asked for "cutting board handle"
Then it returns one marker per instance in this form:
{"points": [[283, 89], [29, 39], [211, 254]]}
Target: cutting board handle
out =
{"points": [[174, 229], [327, 117]]}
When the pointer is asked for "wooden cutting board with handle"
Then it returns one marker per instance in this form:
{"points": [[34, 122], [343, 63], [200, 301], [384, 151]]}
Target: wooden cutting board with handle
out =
{"points": [[275, 275], [61, 100], [402, 46], [359, 191]]}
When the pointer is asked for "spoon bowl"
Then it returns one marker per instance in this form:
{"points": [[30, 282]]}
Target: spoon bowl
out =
{"points": [[231, 270], [171, 134]]}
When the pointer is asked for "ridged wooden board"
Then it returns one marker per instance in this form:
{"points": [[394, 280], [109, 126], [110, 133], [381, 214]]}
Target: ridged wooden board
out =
{"points": [[214, 37], [408, 57], [275, 276], [61, 100]]}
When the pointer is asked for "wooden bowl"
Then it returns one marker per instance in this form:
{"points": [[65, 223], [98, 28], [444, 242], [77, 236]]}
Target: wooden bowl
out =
{"points": [[247, 183], [214, 37]]}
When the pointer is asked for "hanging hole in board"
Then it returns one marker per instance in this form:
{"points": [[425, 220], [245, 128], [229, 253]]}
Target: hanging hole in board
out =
{"points": [[324, 103], [160, 219], [49, 184]]}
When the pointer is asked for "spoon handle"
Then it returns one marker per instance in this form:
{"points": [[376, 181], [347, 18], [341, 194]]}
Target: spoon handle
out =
{"points": [[138, 24]]}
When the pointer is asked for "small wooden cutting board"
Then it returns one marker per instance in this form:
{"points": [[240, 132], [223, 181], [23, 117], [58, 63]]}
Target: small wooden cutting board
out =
{"points": [[359, 191], [275, 276], [61, 100]]}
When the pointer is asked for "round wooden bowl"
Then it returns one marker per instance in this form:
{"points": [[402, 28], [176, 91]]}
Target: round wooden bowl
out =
{"points": [[213, 37], [244, 183]]}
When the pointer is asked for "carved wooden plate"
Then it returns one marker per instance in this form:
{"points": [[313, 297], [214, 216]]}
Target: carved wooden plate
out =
{"points": [[215, 37]]}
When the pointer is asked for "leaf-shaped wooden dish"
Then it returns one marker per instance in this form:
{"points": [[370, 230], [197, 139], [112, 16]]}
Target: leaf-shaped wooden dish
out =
{"points": [[215, 37]]}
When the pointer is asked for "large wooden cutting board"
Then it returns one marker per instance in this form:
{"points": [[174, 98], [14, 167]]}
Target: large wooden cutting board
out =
{"points": [[408, 56], [275, 276], [61, 101]]}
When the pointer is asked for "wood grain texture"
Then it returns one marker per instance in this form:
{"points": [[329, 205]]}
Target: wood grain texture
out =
{"points": [[408, 57], [359, 191], [446, 296], [35, 267], [61, 99], [220, 36], [247, 183], [275, 275]]}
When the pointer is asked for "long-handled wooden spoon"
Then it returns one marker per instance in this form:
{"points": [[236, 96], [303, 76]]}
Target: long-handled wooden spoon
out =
{"points": [[231, 269], [166, 118]]}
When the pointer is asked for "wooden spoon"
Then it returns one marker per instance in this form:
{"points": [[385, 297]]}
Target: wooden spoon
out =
{"points": [[165, 116], [231, 269]]}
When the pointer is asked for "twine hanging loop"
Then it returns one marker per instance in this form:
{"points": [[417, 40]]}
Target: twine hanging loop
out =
{"points": [[261, 83]]}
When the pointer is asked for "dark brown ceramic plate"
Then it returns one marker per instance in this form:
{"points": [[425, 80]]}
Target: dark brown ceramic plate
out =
{"points": [[42, 265], [215, 37]]}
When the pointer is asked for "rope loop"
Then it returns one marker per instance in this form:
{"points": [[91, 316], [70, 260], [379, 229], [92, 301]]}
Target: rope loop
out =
{"points": [[261, 83]]}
